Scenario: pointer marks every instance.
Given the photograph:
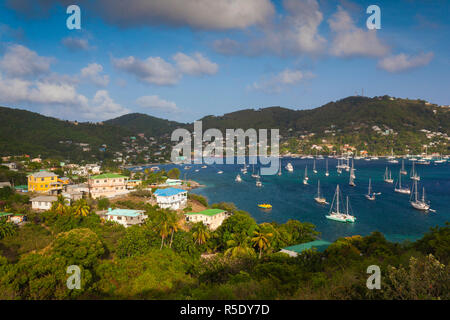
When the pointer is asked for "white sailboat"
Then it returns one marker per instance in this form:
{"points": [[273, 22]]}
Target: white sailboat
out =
{"points": [[403, 171], [289, 167], [352, 177], [314, 166], [279, 170], [258, 183], [419, 204], [220, 172], [238, 178], [337, 215], [326, 165], [414, 175], [319, 199], [399, 189], [305, 179], [370, 195], [388, 178], [254, 175]]}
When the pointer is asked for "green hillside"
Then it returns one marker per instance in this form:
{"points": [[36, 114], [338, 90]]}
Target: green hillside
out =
{"points": [[25, 132], [143, 123]]}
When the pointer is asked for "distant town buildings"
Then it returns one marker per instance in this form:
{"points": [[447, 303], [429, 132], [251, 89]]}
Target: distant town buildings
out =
{"points": [[43, 182], [43, 202]]}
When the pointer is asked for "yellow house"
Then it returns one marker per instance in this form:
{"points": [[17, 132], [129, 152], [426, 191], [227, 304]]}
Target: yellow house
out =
{"points": [[43, 181]]}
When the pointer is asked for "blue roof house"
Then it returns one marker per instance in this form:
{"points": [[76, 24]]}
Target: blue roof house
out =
{"points": [[171, 198]]}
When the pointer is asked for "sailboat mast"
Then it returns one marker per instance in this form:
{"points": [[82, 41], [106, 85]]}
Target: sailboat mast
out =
{"points": [[347, 205], [337, 199], [423, 195], [318, 189]]}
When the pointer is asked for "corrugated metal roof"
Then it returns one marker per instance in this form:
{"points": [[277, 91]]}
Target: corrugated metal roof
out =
{"points": [[168, 192]]}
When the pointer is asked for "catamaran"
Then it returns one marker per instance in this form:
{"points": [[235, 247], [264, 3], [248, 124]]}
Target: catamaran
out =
{"points": [[388, 178], [319, 199], [414, 175], [289, 167], [419, 204], [314, 166], [238, 178], [326, 165], [370, 195], [403, 171], [337, 215], [400, 189]]}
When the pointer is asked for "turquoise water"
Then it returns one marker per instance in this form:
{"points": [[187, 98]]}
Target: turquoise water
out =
{"points": [[390, 213]]}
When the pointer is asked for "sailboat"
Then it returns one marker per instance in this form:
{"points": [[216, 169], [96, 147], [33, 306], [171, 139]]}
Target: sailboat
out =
{"points": [[305, 179], [326, 172], [336, 215], [352, 177], [400, 189], [419, 204], [370, 195], [279, 171], [319, 199], [254, 175], [238, 178], [392, 157], [414, 175], [289, 167], [244, 169], [258, 183], [388, 179], [403, 171], [314, 166], [347, 166]]}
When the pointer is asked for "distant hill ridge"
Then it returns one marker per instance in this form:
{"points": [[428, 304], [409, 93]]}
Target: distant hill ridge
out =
{"points": [[23, 131]]}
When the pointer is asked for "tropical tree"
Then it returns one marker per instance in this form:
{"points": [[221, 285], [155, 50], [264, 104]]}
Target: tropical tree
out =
{"points": [[173, 221], [200, 233], [81, 208], [60, 205], [261, 241], [163, 229], [239, 245]]}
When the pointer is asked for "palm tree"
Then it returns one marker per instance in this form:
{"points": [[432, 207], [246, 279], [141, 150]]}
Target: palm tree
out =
{"points": [[60, 205], [173, 223], [201, 233], [81, 208], [163, 230], [261, 240], [239, 245]]}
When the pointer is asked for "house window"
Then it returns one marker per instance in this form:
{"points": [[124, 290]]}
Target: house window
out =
{"points": [[42, 179]]}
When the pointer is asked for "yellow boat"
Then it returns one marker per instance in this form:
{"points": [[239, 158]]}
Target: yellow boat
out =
{"points": [[265, 206]]}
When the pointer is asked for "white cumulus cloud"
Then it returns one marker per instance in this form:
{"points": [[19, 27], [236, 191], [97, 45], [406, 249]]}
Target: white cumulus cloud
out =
{"points": [[349, 40], [196, 64], [285, 78], [156, 103], [92, 73], [19, 61], [402, 62]]}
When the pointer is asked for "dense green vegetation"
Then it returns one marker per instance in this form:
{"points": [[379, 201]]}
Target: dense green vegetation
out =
{"points": [[166, 259]]}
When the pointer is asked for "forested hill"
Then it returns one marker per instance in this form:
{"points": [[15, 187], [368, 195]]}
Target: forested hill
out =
{"points": [[351, 120], [25, 132], [143, 123], [346, 114]]}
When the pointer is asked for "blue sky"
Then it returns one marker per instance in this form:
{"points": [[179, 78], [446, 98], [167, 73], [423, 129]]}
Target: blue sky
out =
{"points": [[184, 59]]}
